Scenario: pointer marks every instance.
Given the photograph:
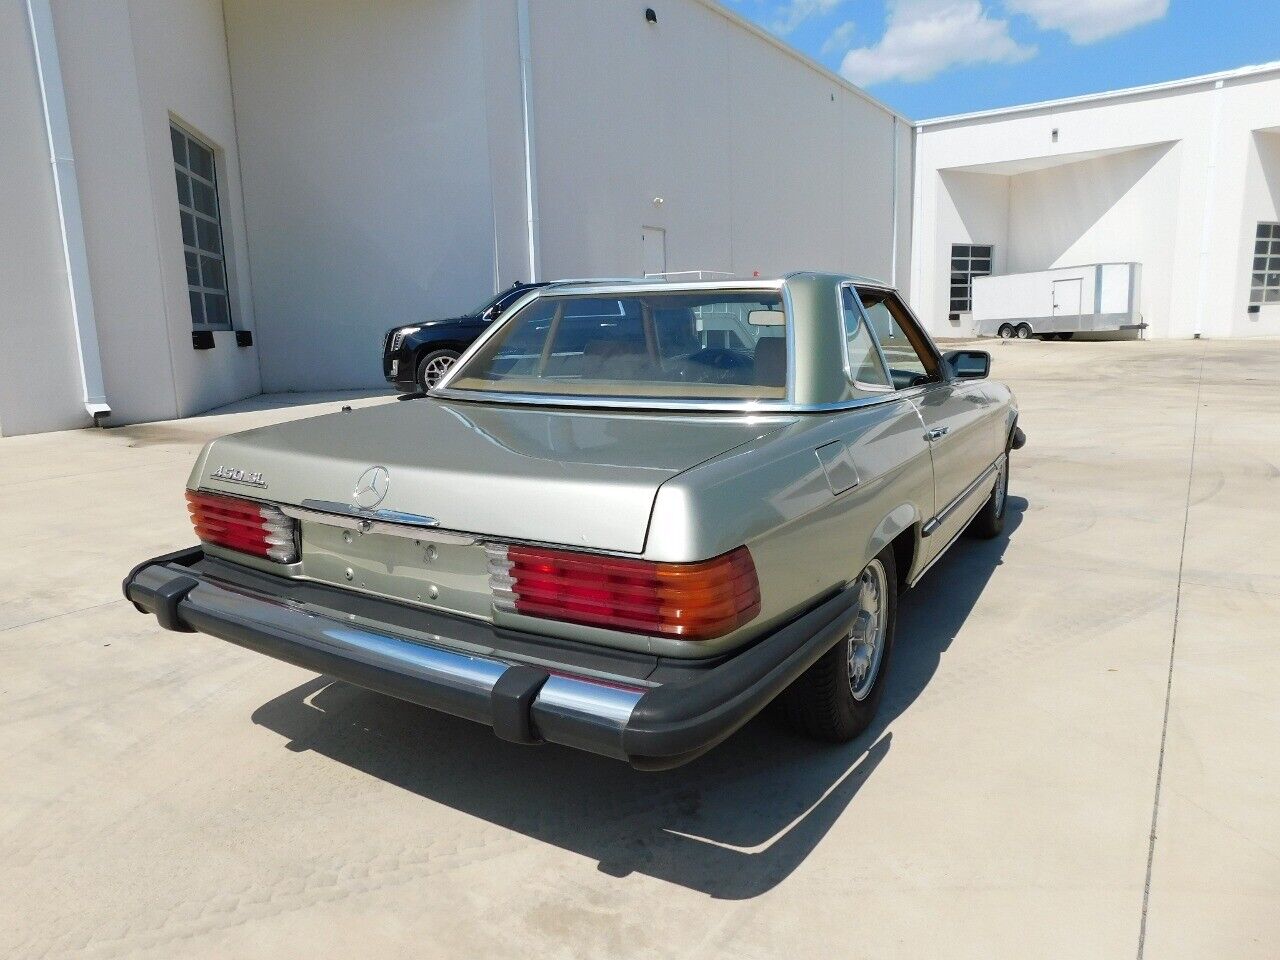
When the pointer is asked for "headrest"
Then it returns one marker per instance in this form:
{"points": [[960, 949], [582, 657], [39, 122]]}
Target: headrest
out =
{"points": [[771, 362]]}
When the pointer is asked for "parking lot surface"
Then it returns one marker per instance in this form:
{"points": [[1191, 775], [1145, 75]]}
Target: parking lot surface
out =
{"points": [[1077, 753]]}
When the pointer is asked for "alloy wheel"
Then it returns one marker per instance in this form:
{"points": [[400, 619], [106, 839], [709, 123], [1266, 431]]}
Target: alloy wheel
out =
{"points": [[866, 641], [433, 372]]}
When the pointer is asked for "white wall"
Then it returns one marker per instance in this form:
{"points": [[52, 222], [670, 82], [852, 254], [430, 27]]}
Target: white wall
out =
{"points": [[1262, 203], [39, 374], [182, 70], [968, 208], [763, 162], [365, 148], [1173, 178], [383, 160], [1109, 209], [126, 65]]}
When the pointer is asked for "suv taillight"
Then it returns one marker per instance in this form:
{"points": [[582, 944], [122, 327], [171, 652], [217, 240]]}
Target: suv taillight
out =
{"points": [[687, 601], [245, 525]]}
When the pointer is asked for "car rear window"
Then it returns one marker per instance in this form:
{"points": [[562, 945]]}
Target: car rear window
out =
{"points": [[657, 345]]}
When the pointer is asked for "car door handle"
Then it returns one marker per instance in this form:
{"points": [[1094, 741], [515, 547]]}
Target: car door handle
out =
{"points": [[937, 433]]}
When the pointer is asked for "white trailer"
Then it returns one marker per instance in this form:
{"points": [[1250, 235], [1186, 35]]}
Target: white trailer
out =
{"points": [[1098, 298]]}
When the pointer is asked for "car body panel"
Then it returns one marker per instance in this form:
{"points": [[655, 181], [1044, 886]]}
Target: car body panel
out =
{"points": [[815, 486], [405, 513], [549, 476]]}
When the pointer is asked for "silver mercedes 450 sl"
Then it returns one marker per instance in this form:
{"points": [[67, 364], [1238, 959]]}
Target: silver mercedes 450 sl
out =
{"points": [[629, 518]]}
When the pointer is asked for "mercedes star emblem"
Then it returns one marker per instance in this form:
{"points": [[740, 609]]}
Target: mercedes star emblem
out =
{"points": [[372, 487]]}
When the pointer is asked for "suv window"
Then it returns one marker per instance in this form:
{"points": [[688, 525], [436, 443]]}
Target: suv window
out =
{"points": [[911, 361]]}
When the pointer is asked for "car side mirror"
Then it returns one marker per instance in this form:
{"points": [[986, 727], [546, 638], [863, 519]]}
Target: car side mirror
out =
{"points": [[969, 364]]}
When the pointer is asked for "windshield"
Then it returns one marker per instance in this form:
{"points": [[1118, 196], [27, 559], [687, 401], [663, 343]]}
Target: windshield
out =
{"points": [[494, 300], [681, 345]]}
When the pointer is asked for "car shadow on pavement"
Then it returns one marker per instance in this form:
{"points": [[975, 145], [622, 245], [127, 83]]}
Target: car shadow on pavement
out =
{"points": [[732, 824]]}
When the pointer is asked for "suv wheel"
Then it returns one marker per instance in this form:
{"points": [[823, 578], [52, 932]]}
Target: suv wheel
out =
{"points": [[433, 366]]}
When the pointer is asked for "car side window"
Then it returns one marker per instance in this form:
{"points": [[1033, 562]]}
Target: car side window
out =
{"points": [[862, 359], [911, 361]]}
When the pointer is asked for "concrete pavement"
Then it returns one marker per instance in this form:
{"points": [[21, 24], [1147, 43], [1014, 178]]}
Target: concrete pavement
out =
{"points": [[1110, 660]]}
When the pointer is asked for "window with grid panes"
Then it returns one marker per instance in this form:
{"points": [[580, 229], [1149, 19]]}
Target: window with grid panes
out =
{"points": [[968, 260], [202, 246], [1264, 281]]}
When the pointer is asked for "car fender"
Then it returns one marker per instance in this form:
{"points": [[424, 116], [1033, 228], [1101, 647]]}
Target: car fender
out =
{"points": [[901, 518]]}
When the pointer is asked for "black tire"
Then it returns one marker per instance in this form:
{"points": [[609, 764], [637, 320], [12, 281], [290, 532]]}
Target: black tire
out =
{"points": [[1005, 332], [431, 364], [989, 522], [1024, 332], [821, 703]]}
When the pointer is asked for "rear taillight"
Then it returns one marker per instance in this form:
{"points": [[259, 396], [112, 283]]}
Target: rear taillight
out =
{"points": [[688, 601], [256, 528]]}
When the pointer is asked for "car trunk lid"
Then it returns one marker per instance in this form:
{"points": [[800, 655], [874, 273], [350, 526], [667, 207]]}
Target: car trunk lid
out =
{"points": [[571, 477]]}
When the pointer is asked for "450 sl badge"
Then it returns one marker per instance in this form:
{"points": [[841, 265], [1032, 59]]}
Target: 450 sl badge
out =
{"points": [[236, 475]]}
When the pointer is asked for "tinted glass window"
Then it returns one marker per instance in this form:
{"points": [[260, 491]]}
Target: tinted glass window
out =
{"points": [[967, 261], [864, 365], [910, 361], [196, 180], [713, 344], [1264, 280]]}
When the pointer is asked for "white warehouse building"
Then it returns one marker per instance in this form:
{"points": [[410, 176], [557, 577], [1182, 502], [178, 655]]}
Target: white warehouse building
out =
{"points": [[245, 194], [1181, 179]]}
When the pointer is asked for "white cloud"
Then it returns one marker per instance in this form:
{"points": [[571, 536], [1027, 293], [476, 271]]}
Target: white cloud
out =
{"points": [[925, 37], [840, 38], [1086, 21], [788, 16]]}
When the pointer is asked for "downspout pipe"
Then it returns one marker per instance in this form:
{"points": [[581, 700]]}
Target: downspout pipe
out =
{"points": [[893, 267], [530, 156], [70, 220]]}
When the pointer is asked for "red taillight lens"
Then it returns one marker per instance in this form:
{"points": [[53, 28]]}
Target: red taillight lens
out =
{"points": [[688, 601], [256, 528]]}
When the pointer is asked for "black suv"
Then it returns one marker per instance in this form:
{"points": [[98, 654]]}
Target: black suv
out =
{"points": [[416, 356]]}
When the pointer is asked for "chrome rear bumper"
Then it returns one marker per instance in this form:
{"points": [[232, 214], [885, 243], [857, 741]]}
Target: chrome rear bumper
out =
{"points": [[650, 726]]}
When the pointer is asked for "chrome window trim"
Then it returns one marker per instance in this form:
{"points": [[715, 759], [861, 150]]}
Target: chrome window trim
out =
{"points": [[844, 340], [616, 403], [946, 374], [443, 390]]}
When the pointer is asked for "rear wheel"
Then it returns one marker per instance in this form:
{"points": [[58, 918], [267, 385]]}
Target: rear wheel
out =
{"points": [[1006, 331], [836, 699], [989, 521], [433, 367], [1024, 332]]}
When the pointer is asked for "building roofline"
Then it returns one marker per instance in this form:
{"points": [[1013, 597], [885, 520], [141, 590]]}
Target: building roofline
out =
{"points": [[1168, 85], [715, 6]]}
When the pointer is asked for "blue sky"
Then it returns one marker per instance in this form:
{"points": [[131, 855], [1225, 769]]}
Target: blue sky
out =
{"points": [[929, 58]]}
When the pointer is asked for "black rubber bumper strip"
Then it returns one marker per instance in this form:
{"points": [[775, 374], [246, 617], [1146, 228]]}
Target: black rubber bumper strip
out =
{"points": [[668, 726], [512, 699], [679, 721]]}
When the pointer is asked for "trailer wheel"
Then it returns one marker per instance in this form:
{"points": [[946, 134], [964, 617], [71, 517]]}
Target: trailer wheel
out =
{"points": [[1024, 331], [1006, 331]]}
